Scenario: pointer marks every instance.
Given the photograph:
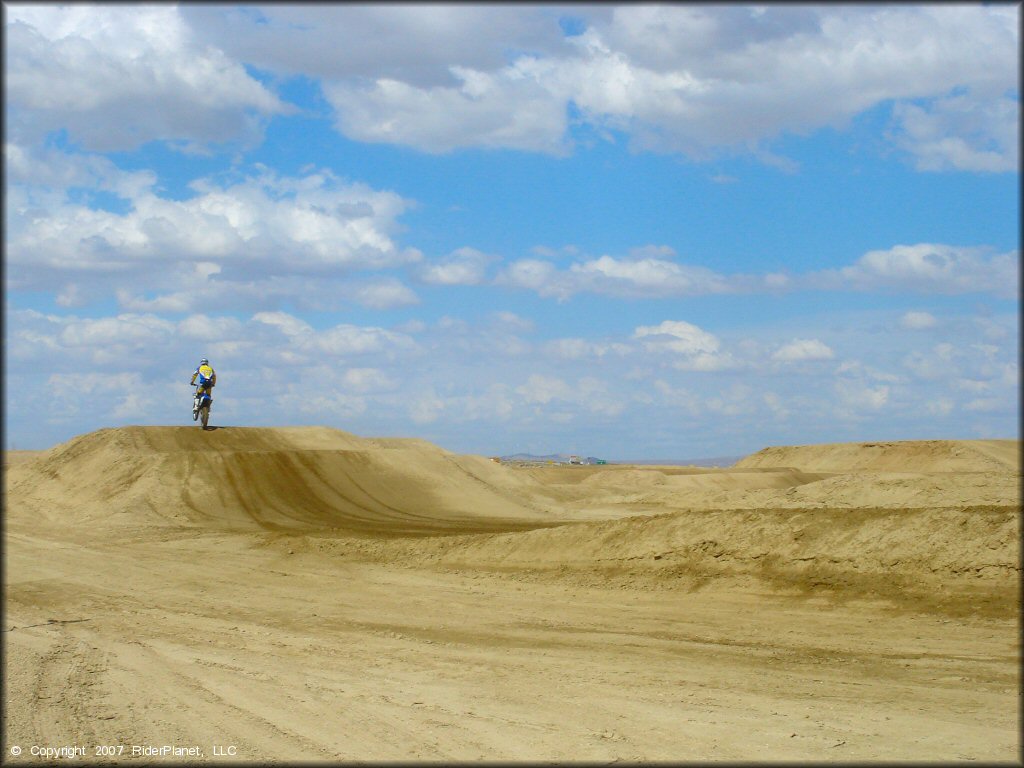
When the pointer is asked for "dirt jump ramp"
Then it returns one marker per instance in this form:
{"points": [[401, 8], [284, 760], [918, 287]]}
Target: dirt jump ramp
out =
{"points": [[298, 478]]}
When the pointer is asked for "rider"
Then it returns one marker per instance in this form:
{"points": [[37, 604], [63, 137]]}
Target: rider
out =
{"points": [[207, 381]]}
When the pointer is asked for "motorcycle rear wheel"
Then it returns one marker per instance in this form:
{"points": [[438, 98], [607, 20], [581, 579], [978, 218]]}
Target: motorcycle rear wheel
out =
{"points": [[204, 413]]}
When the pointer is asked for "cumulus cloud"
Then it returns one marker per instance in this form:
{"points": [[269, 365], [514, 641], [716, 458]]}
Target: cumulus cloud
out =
{"points": [[858, 396], [800, 350], [654, 273], [688, 79], [917, 321], [581, 349], [696, 80], [543, 389], [116, 77], [644, 277], [511, 321], [337, 341], [678, 336], [960, 133], [412, 43], [927, 267], [505, 110], [369, 378], [251, 240], [464, 266], [107, 332], [988, 405], [536, 275], [152, 345], [384, 293], [647, 272], [688, 347]]}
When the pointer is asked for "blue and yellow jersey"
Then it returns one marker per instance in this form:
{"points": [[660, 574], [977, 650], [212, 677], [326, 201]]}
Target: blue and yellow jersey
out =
{"points": [[206, 376]]}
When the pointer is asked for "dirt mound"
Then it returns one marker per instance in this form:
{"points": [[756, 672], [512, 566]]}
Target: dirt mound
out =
{"points": [[897, 456], [704, 479], [19, 457], [288, 478], [916, 556]]}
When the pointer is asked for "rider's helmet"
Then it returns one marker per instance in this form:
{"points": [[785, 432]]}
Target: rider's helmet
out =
{"points": [[204, 361]]}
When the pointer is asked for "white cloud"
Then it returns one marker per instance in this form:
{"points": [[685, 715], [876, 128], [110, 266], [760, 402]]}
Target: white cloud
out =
{"points": [[209, 328], [581, 349], [650, 273], [385, 293], [644, 277], [674, 78], [800, 350], [678, 336], [737, 400], [368, 380], [776, 404], [337, 405], [414, 43], [544, 389], [963, 133], [255, 240], [928, 366], [917, 321], [695, 80], [289, 324], [116, 77], [465, 266], [928, 267], [536, 275], [344, 339], [973, 385], [457, 378], [647, 272], [426, 407], [858, 396], [512, 321], [43, 174], [942, 406], [307, 222], [988, 405], [113, 331], [689, 348], [707, 362], [148, 342], [508, 109]]}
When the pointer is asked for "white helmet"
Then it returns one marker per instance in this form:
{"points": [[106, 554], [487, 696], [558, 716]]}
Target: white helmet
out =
{"points": [[204, 361]]}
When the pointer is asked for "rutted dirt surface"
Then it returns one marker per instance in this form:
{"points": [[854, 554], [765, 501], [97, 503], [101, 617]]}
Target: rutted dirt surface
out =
{"points": [[305, 594]]}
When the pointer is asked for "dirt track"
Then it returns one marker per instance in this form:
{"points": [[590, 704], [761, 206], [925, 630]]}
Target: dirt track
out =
{"points": [[306, 594]]}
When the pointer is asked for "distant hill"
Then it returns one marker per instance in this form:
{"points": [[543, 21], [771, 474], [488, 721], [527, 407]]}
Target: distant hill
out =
{"points": [[557, 458], [715, 461], [563, 458]]}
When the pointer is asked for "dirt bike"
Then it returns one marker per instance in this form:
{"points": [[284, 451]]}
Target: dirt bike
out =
{"points": [[201, 406]]}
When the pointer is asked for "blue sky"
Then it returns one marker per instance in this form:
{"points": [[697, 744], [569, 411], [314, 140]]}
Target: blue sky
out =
{"points": [[643, 231]]}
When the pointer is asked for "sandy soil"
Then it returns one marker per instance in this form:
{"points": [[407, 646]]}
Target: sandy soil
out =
{"points": [[305, 594]]}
